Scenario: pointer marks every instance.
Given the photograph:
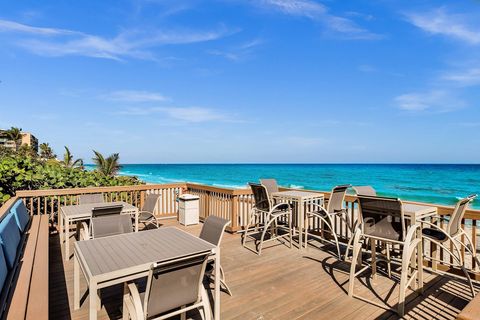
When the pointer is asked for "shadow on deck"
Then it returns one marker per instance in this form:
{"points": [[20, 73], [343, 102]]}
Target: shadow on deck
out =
{"points": [[282, 283]]}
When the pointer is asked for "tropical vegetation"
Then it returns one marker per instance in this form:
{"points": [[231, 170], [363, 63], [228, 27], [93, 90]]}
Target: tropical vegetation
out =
{"points": [[23, 169]]}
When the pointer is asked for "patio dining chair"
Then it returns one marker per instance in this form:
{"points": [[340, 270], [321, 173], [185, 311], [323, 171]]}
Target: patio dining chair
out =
{"points": [[271, 185], [266, 220], [329, 215], [147, 212], [382, 219], [212, 231], [107, 221], [173, 288], [90, 198], [364, 191], [455, 234]]}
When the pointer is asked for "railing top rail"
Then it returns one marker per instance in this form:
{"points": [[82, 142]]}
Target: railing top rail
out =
{"points": [[75, 191], [6, 206], [442, 209]]}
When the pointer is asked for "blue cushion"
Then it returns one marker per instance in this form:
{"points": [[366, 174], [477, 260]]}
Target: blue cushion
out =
{"points": [[9, 238], [3, 269], [21, 214]]}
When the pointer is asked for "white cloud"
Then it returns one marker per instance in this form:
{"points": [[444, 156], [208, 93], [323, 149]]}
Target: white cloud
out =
{"points": [[12, 26], [440, 22], [239, 52], [318, 12], [466, 77], [184, 114], [127, 44], [304, 8], [435, 100], [135, 96]]}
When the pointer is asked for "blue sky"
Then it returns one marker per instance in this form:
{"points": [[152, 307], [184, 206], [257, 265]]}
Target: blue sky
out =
{"points": [[245, 81]]}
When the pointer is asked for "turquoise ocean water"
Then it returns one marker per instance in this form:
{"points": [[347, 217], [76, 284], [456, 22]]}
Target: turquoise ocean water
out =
{"points": [[435, 183]]}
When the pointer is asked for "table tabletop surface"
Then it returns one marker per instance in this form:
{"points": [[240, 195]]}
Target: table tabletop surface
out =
{"points": [[122, 252], [80, 210], [297, 194]]}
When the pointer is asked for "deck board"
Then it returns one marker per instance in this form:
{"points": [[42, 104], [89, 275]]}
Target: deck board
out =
{"points": [[281, 284]]}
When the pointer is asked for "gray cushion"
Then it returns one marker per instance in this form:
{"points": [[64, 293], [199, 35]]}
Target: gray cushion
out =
{"points": [[9, 238], [21, 214]]}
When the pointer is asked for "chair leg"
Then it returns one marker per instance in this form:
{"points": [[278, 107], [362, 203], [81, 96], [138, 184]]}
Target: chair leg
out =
{"points": [[207, 311], [245, 235], [356, 252], [389, 265], [223, 282], [183, 315], [373, 250]]}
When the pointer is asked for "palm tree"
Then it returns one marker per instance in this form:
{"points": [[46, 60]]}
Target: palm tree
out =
{"points": [[15, 134], [108, 166], [68, 160], [46, 151]]}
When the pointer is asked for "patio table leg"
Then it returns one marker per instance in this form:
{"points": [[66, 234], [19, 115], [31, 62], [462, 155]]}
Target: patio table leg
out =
{"points": [[67, 239], [301, 218], [216, 312], [136, 221], [60, 222], [76, 284], [93, 299]]}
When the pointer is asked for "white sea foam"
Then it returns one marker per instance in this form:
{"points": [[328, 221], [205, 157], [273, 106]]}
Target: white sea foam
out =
{"points": [[294, 186]]}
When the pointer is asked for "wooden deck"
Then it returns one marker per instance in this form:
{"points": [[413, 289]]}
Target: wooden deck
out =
{"points": [[283, 283]]}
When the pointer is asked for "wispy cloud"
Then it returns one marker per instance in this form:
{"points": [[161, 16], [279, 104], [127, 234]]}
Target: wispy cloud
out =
{"points": [[462, 27], [134, 96], [435, 100], [185, 114], [12, 26], [239, 52], [467, 77], [127, 44], [319, 12]]}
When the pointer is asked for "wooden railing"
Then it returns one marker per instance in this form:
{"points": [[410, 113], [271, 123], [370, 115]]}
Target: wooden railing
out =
{"points": [[231, 204]]}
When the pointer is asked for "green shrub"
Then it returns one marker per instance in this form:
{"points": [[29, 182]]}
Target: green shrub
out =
{"points": [[28, 172]]}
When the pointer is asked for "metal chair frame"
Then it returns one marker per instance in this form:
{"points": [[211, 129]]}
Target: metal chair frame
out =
{"points": [[267, 220]]}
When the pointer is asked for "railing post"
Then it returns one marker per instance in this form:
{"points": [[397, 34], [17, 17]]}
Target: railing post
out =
{"points": [[234, 216]]}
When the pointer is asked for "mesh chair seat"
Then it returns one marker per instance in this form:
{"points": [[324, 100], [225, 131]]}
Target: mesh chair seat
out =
{"points": [[434, 234], [145, 216]]}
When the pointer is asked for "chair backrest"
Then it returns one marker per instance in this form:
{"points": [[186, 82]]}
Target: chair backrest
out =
{"points": [[90, 198], [213, 229], [114, 209], [454, 225], [260, 195], [382, 217], [364, 191], [174, 284], [271, 185], [150, 203], [109, 225], [335, 202]]}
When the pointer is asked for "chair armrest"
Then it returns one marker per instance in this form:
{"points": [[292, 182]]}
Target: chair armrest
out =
{"points": [[84, 232], [318, 208], [279, 205], [135, 298]]}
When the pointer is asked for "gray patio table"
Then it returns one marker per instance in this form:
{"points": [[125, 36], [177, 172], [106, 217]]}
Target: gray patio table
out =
{"points": [[301, 199], [120, 258], [82, 212]]}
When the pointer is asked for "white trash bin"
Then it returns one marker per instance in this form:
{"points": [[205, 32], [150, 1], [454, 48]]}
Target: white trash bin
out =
{"points": [[188, 209]]}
